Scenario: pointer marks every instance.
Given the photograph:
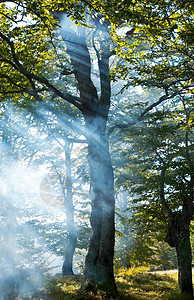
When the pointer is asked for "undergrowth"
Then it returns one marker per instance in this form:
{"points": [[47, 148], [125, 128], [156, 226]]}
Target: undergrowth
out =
{"points": [[132, 284]]}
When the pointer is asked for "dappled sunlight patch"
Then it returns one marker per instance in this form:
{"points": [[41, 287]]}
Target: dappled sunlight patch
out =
{"points": [[131, 271], [63, 287], [141, 284]]}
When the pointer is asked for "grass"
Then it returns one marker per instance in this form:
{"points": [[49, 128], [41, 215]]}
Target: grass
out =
{"points": [[140, 285], [132, 284]]}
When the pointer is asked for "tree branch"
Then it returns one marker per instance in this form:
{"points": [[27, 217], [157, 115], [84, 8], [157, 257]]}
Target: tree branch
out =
{"points": [[162, 193], [141, 116], [161, 99], [17, 65]]}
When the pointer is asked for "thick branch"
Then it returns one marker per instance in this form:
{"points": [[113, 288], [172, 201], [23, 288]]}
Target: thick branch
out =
{"points": [[80, 58], [161, 99], [103, 56], [162, 194], [104, 80]]}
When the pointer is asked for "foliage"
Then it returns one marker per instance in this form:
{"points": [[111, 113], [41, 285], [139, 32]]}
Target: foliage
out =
{"points": [[158, 142], [161, 51], [146, 159], [145, 251]]}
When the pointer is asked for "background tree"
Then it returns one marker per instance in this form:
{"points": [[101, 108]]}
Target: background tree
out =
{"points": [[161, 171], [39, 240]]}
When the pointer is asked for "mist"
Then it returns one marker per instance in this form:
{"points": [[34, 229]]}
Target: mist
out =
{"points": [[33, 217]]}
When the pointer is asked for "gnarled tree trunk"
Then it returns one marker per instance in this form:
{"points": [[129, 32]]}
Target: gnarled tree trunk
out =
{"points": [[178, 236], [98, 269]]}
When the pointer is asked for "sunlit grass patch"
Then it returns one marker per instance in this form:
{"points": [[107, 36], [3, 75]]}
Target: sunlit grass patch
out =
{"points": [[131, 271], [140, 284], [63, 287]]}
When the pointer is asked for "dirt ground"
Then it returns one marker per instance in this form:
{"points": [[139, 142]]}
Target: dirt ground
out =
{"points": [[173, 271]]}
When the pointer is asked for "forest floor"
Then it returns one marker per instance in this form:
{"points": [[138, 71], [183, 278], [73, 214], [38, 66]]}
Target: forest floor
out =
{"points": [[132, 284]]}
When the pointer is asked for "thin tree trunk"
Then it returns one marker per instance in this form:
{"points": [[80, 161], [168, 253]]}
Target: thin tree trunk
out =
{"points": [[67, 268]]}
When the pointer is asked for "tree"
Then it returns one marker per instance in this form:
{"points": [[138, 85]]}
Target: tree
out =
{"points": [[25, 80], [99, 260], [161, 176], [160, 51], [37, 140]]}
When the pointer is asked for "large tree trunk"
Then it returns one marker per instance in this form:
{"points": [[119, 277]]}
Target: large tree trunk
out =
{"points": [[98, 268], [184, 256], [67, 268], [178, 236]]}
